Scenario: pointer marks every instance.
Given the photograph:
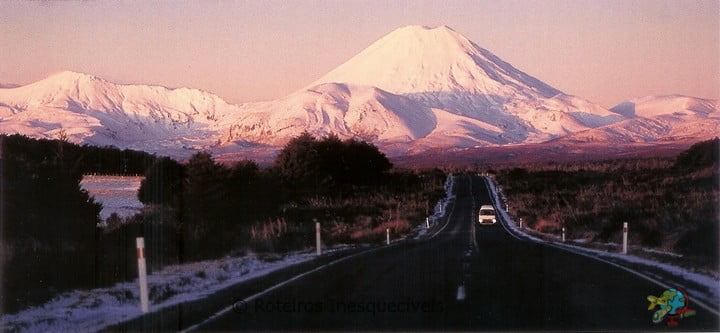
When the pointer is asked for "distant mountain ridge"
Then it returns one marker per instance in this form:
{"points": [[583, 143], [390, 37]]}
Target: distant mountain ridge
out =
{"points": [[415, 89], [658, 119], [91, 110]]}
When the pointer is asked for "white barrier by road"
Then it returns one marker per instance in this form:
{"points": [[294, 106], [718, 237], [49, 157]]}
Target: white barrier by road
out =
{"points": [[625, 235], [142, 274], [318, 246]]}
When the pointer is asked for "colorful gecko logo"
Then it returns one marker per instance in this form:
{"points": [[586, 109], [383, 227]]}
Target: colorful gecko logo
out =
{"points": [[673, 306]]}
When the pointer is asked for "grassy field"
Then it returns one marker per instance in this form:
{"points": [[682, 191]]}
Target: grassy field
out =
{"points": [[360, 216], [670, 204]]}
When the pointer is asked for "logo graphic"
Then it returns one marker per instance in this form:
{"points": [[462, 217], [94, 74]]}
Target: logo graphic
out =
{"points": [[673, 306]]}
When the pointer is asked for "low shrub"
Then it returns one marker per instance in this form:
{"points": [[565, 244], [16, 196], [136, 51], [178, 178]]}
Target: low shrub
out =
{"points": [[669, 204]]}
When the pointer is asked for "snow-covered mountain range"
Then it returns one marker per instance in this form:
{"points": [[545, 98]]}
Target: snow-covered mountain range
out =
{"points": [[658, 118], [414, 89]]}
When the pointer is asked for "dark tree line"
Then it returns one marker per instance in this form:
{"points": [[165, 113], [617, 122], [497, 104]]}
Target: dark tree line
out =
{"points": [[309, 165], [194, 210], [48, 227], [80, 159], [213, 204]]}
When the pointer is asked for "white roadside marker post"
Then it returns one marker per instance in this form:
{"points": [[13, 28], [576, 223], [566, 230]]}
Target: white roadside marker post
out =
{"points": [[427, 222], [142, 274], [521, 223], [318, 247], [507, 208], [460, 293], [387, 236], [625, 235], [563, 234]]}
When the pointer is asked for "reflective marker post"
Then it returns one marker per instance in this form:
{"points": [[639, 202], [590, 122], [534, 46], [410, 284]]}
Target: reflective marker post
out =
{"points": [[387, 232], [521, 223], [142, 274], [460, 293], [625, 234], [318, 250], [563, 234], [427, 222]]}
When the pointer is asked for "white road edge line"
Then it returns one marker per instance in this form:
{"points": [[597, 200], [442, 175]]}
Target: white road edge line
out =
{"points": [[627, 269], [279, 285], [447, 220], [634, 272], [302, 275]]}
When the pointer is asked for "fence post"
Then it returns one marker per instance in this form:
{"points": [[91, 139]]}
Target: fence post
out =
{"points": [[318, 247], [625, 236], [142, 274]]}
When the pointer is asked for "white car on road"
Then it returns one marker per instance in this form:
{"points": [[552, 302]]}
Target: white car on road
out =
{"points": [[486, 216]]}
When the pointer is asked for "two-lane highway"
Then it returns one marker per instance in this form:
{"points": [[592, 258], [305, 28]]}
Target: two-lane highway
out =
{"points": [[465, 277]]}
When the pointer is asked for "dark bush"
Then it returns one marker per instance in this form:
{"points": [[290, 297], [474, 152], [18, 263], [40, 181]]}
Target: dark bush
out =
{"points": [[701, 242], [308, 165], [49, 225], [700, 155], [163, 182]]}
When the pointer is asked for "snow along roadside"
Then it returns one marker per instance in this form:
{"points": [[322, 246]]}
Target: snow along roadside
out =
{"points": [[704, 290], [440, 207], [95, 309]]}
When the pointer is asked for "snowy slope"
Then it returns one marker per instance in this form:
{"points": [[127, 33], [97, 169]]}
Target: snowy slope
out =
{"points": [[417, 59], [344, 110], [444, 70], [91, 110], [659, 118], [433, 88], [652, 106]]}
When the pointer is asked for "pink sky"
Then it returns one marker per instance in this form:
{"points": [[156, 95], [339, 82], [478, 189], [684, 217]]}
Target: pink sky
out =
{"points": [[606, 51]]}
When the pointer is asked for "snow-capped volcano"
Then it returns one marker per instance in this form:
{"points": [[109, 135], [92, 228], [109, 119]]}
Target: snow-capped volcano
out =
{"points": [[472, 96], [418, 59], [443, 69], [415, 89]]}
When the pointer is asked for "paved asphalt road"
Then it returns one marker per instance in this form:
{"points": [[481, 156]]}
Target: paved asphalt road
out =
{"points": [[509, 284]]}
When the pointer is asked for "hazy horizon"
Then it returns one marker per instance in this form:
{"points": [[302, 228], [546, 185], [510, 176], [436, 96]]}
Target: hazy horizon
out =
{"points": [[607, 52]]}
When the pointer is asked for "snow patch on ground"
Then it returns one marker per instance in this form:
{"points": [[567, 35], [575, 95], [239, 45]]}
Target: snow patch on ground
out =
{"points": [[665, 253], [440, 207], [699, 286], [92, 310], [505, 216]]}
